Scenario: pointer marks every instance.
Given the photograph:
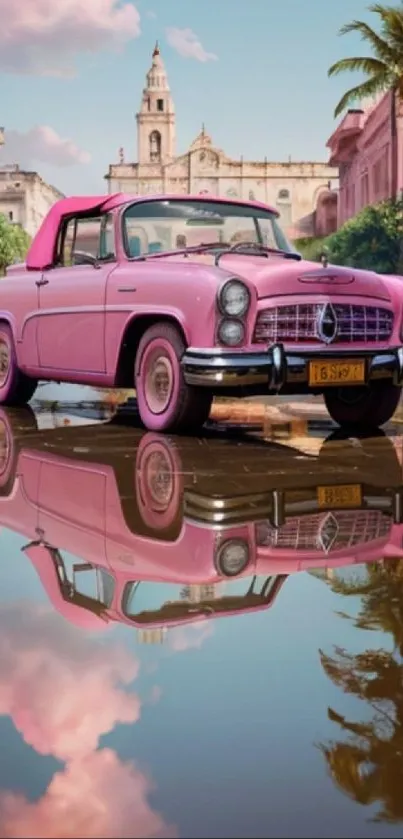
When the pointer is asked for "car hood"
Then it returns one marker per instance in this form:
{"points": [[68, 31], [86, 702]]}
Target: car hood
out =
{"points": [[283, 276], [277, 276]]}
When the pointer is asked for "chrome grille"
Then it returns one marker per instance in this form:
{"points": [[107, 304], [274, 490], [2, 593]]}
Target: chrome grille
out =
{"points": [[298, 323], [325, 532]]}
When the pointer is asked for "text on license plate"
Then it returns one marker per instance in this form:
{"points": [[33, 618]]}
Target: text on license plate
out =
{"points": [[347, 495], [351, 371]]}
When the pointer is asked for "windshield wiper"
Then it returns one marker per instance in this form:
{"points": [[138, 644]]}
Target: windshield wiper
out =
{"points": [[204, 246], [224, 249], [257, 246]]}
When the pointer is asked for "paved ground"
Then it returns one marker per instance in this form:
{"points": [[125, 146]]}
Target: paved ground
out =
{"points": [[298, 414]]}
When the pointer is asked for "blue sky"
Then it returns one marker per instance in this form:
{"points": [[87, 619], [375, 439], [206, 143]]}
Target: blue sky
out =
{"points": [[267, 94]]}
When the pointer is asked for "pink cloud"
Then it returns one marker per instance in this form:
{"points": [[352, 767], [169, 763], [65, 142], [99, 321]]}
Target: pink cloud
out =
{"points": [[62, 689], [94, 798], [187, 44], [44, 37], [43, 144]]}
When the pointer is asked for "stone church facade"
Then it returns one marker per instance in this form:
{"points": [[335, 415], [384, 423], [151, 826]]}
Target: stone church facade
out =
{"points": [[296, 189]]}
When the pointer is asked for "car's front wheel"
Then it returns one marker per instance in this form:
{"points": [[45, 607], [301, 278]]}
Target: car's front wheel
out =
{"points": [[366, 407], [15, 387], [165, 401]]}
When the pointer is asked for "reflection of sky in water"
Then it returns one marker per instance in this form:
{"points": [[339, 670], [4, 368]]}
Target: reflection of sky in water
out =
{"points": [[224, 722]]}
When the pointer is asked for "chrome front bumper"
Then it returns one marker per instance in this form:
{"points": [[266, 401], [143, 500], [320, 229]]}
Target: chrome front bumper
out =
{"points": [[275, 368], [272, 505]]}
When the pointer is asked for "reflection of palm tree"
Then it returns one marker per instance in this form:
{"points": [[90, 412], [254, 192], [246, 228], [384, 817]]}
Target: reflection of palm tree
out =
{"points": [[368, 765]]}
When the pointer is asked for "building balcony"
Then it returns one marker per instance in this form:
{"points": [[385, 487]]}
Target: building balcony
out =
{"points": [[343, 142]]}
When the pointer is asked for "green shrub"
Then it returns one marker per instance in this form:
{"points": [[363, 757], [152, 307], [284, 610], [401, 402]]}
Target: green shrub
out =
{"points": [[14, 243], [372, 239], [310, 248]]}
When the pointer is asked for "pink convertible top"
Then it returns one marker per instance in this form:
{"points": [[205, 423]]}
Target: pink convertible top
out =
{"points": [[41, 253]]}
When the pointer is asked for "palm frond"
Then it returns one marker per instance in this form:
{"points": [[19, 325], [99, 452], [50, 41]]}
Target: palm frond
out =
{"points": [[368, 88], [369, 66], [392, 24], [380, 46]]}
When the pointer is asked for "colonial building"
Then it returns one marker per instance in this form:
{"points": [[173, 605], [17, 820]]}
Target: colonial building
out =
{"points": [[295, 188], [362, 147], [25, 198]]}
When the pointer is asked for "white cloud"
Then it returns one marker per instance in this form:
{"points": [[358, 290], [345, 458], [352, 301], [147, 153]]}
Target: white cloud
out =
{"points": [[187, 44], [42, 144], [44, 36], [151, 14]]}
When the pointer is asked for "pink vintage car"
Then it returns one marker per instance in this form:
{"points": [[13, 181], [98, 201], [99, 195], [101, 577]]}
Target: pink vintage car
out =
{"points": [[186, 297], [204, 556], [109, 515]]}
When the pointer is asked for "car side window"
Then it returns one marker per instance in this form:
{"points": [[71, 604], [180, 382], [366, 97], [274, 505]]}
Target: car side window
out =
{"points": [[86, 239]]}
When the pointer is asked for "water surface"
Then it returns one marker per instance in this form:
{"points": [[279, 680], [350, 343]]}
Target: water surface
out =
{"points": [[143, 693]]}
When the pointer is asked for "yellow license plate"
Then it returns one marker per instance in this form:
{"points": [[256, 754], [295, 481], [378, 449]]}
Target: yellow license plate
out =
{"points": [[349, 372], [347, 495]]}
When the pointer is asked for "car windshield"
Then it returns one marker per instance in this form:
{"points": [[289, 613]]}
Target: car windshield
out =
{"points": [[150, 602], [176, 224]]}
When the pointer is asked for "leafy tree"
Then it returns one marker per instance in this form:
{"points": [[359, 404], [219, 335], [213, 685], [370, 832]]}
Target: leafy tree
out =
{"points": [[368, 764], [14, 243], [383, 68]]}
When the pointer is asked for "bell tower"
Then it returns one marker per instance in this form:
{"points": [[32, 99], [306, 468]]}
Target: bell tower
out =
{"points": [[156, 117]]}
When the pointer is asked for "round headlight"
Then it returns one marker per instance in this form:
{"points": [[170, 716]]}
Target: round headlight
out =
{"points": [[231, 332], [234, 298], [232, 557]]}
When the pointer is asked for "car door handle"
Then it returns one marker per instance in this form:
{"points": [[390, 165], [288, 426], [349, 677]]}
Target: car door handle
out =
{"points": [[41, 282], [127, 288]]}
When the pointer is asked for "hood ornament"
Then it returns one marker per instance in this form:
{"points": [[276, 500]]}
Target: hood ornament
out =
{"points": [[326, 323], [328, 533], [324, 258]]}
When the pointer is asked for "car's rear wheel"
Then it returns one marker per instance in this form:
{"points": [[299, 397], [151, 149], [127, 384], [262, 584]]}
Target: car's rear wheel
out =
{"points": [[15, 387], [366, 407], [165, 401]]}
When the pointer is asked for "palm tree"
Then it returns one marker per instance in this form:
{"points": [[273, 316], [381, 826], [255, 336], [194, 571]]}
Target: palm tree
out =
{"points": [[367, 764], [383, 69]]}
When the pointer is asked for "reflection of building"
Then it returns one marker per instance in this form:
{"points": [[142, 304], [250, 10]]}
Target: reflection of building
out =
{"points": [[25, 198], [151, 636], [293, 187], [361, 146], [197, 593]]}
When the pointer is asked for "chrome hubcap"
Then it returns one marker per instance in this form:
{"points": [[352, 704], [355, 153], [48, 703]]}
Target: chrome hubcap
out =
{"points": [[4, 361], [159, 479], [159, 384]]}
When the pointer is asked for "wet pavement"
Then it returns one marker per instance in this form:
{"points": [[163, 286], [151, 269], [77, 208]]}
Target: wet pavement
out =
{"points": [[199, 637]]}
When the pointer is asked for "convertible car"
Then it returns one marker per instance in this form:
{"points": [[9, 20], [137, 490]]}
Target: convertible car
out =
{"points": [[184, 298]]}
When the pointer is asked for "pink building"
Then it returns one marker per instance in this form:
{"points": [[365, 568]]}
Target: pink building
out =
{"points": [[361, 147]]}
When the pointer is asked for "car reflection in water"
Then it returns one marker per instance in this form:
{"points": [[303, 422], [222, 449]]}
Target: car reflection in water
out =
{"points": [[110, 512]]}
